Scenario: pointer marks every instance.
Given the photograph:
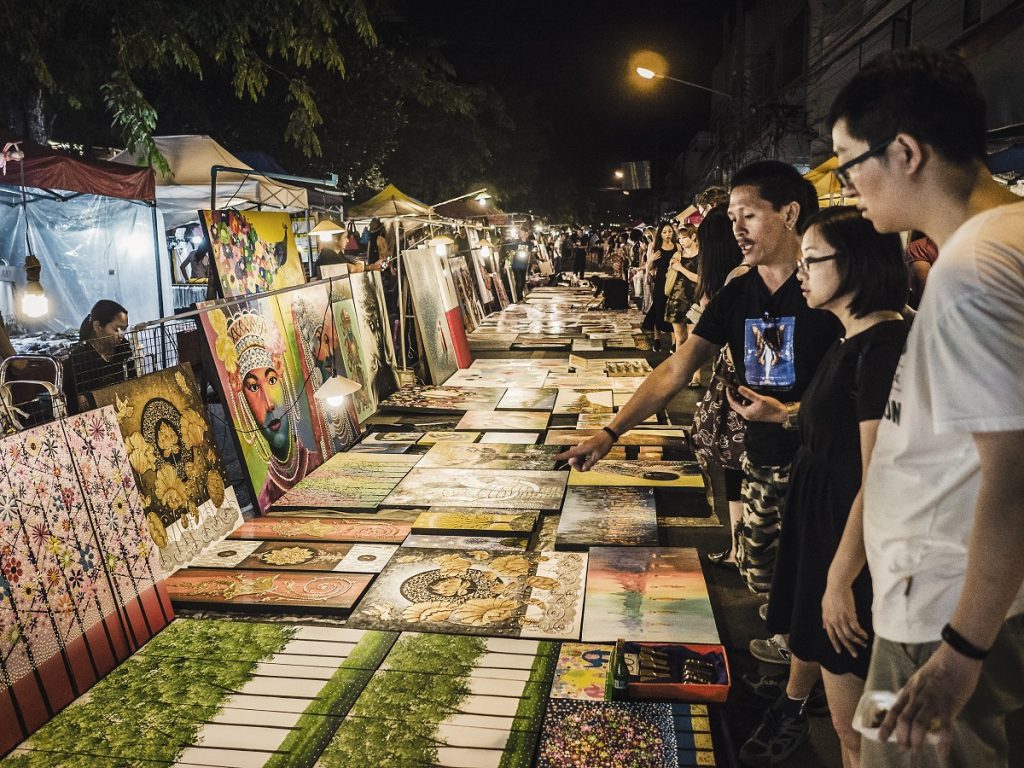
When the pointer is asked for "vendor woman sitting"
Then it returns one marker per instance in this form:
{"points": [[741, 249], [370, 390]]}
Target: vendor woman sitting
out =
{"points": [[101, 357]]}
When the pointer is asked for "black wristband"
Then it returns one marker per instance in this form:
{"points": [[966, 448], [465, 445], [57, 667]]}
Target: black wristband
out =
{"points": [[610, 431], [962, 645]]}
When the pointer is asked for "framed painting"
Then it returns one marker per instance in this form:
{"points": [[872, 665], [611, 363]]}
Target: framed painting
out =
{"points": [[493, 488], [508, 421], [648, 474], [594, 517], [443, 399], [510, 438], [253, 251], [350, 346], [583, 401], [524, 399], [324, 529], [619, 734], [423, 274], [174, 459], [317, 556], [349, 481], [267, 589], [262, 391], [478, 593], [491, 456], [492, 543], [647, 594], [312, 341], [377, 349], [477, 522]]}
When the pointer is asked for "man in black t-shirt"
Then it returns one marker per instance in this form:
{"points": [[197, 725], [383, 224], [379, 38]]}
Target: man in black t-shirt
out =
{"points": [[776, 341]]}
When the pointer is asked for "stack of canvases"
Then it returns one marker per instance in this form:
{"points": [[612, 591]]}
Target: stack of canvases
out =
{"points": [[80, 581], [272, 353]]}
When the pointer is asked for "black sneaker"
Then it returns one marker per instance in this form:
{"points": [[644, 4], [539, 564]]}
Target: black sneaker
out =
{"points": [[771, 687], [775, 738]]}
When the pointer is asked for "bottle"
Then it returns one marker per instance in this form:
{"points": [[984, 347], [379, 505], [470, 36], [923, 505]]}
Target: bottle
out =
{"points": [[620, 672]]}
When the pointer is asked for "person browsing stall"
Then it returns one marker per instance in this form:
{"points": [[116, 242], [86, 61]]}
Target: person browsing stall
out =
{"points": [[101, 357]]}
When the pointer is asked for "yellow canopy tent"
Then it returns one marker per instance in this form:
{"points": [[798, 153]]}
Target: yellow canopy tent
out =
{"points": [[825, 182], [390, 202]]}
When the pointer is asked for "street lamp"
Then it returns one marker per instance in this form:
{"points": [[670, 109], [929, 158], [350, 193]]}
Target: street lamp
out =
{"points": [[650, 74], [619, 174]]}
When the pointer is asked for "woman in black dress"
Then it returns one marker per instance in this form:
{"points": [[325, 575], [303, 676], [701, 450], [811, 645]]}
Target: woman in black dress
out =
{"points": [[859, 276], [664, 247], [102, 356]]}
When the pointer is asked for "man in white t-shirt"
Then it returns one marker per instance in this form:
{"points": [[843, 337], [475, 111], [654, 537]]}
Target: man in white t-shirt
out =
{"points": [[944, 494]]}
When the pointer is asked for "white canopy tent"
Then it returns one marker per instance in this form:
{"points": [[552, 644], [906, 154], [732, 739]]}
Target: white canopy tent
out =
{"points": [[187, 189]]}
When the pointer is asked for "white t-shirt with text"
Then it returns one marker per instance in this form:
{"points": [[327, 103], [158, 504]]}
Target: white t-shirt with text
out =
{"points": [[962, 372]]}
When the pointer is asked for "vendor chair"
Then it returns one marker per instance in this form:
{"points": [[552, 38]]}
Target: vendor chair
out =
{"points": [[31, 392]]}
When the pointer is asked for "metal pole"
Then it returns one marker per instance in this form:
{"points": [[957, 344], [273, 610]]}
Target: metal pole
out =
{"points": [[159, 281], [401, 298]]}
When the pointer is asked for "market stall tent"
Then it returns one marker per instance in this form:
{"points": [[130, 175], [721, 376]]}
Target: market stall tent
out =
{"points": [[823, 177], [96, 230], [186, 189], [390, 202]]}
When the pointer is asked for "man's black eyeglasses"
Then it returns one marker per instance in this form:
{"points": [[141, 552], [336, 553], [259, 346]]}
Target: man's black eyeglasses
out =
{"points": [[843, 171]]}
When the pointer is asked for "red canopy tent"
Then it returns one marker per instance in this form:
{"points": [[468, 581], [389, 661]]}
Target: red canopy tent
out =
{"points": [[46, 168]]}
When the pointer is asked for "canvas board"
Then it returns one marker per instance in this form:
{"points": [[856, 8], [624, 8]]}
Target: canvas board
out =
{"points": [[468, 543], [478, 522], [422, 271], [489, 456], [349, 481], [252, 251], [319, 556], [487, 593], [583, 401], [510, 438], [647, 594], [508, 421], [667, 437], [376, 348], [493, 488], [593, 517], [648, 474], [323, 529], [443, 399], [582, 671], [528, 399]]}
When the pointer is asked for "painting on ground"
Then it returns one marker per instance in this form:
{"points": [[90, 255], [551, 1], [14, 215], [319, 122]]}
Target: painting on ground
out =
{"points": [[189, 504], [647, 594], [312, 341], [286, 591], [368, 529], [477, 593], [492, 456], [349, 481], [377, 349], [493, 488], [262, 391], [213, 692], [651, 474], [253, 251], [422, 271], [448, 701], [619, 733], [443, 399], [594, 517]]}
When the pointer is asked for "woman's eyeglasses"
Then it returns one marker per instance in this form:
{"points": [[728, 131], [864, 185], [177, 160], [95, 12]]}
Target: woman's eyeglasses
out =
{"points": [[804, 263], [843, 171]]}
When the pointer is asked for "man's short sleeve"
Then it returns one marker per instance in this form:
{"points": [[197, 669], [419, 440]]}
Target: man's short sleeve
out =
{"points": [[976, 344], [714, 322]]}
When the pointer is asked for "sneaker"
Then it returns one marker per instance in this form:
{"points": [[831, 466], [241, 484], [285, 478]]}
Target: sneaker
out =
{"points": [[771, 651], [770, 687], [775, 738], [762, 611]]}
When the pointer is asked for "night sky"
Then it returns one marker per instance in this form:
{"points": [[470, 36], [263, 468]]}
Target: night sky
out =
{"points": [[573, 59]]}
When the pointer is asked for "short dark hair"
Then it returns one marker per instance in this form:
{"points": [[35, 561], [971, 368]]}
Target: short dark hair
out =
{"points": [[873, 271], [930, 95], [713, 197], [779, 183], [103, 312]]}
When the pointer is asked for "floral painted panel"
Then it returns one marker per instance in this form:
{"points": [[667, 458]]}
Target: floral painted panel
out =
{"points": [[478, 592], [267, 589], [78, 570], [172, 454], [254, 252]]}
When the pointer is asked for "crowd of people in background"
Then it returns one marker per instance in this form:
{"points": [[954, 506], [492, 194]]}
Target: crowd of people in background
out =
{"points": [[877, 502]]}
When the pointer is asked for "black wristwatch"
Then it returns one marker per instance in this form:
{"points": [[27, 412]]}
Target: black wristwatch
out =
{"points": [[612, 432]]}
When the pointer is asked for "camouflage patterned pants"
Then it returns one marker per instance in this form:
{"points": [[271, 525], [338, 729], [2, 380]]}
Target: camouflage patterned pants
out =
{"points": [[757, 536]]}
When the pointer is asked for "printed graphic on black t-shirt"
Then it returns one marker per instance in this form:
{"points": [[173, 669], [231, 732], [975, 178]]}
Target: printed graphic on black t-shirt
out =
{"points": [[768, 352]]}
